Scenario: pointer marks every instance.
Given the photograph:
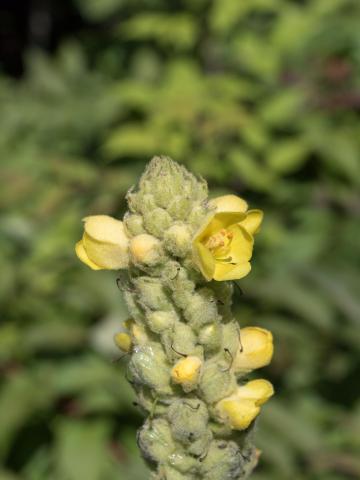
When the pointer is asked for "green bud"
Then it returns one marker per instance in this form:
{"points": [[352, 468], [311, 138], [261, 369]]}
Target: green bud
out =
{"points": [[134, 224], [152, 294], [155, 440], [198, 215], [217, 381], [179, 207], [201, 445], [179, 341], [188, 420], [149, 366], [201, 309], [157, 221], [224, 460], [134, 309], [177, 240], [141, 202], [183, 463], [159, 321], [171, 474], [231, 337], [210, 337]]}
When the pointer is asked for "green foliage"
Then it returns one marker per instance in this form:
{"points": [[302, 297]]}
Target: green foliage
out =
{"points": [[261, 97]]}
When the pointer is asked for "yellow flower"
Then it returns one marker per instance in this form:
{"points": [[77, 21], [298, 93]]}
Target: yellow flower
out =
{"points": [[186, 372], [223, 246], [240, 409], [104, 244], [123, 341], [256, 349]]}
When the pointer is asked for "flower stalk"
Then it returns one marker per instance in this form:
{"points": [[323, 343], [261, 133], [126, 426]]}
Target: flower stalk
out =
{"points": [[177, 253]]}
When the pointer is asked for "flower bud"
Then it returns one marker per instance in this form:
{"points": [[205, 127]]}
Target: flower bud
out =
{"points": [[134, 224], [104, 244], [177, 240], [158, 321], [224, 460], [157, 221], [229, 203], [138, 333], [155, 440], [123, 341], [145, 249], [256, 349], [217, 381], [186, 372], [188, 419], [148, 366], [240, 409], [210, 337], [152, 293], [201, 308]]}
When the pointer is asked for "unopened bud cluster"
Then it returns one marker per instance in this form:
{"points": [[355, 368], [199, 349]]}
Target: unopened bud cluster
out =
{"points": [[177, 254]]}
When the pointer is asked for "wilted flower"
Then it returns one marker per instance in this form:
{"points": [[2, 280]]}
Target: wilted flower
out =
{"points": [[224, 244]]}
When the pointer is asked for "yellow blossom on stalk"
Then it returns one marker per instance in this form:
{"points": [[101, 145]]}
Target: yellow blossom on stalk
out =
{"points": [[241, 408], [186, 372], [255, 351], [104, 244], [224, 244]]}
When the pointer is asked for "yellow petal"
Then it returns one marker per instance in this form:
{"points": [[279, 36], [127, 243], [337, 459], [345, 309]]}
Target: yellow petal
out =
{"points": [[217, 222], [241, 246], [82, 255], [258, 390], [252, 221], [226, 271], [106, 255], [238, 413], [204, 260], [256, 349], [105, 229], [229, 203]]}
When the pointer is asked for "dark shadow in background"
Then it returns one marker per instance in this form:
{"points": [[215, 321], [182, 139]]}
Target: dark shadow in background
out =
{"points": [[33, 23]]}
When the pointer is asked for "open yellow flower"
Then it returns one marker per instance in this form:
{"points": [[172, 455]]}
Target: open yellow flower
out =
{"points": [[241, 408], [104, 244], [224, 244]]}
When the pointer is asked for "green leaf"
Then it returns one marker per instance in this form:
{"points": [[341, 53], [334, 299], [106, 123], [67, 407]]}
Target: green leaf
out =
{"points": [[81, 449], [287, 156], [178, 31]]}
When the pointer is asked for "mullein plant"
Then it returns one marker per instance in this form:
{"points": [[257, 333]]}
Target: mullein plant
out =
{"points": [[178, 256]]}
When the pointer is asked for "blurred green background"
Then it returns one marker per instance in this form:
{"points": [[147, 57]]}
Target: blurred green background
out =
{"points": [[262, 98]]}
